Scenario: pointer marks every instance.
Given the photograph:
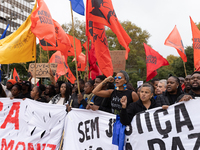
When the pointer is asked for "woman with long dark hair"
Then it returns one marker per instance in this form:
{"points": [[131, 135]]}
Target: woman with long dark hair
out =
{"points": [[63, 96]]}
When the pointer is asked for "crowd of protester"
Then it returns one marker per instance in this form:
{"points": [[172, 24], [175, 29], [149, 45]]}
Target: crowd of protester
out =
{"points": [[110, 94]]}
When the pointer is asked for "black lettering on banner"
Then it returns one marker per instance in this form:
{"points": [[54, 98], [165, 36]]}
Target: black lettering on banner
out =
{"points": [[176, 143], [168, 128], [81, 132], [148, 122], [87, 129], [138, 122], [109, 132], [152, 142], [197, 144], [181, 108], [94, 123]]}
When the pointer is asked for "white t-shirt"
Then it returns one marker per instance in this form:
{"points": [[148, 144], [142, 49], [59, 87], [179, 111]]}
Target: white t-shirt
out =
{"points": [[60, 102]]}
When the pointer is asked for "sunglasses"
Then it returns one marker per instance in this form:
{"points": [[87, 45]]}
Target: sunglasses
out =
{"points": [[119, 77]]}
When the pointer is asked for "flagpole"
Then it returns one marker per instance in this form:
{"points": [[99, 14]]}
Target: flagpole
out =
{"points": [[87, 59], [75, 48], [64, 66], [184, 68], [40, 60], [48, 56], [35, 67]]}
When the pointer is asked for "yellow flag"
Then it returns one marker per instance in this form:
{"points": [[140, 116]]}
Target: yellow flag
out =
{"points": [[20, 46]]}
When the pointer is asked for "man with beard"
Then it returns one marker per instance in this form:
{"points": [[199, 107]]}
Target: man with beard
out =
{"points": [[187, 84], [195, 88]]}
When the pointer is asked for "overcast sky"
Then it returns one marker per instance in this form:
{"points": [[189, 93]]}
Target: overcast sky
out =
{"points": [[158, 17]]}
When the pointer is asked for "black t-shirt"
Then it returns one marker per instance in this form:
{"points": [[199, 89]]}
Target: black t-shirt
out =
{"points": [[116, 96]]}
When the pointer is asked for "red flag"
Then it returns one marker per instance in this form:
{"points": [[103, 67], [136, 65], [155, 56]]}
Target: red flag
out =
{"points": [[174, 40], [66, 50], [153, 61], [81, 62], [183, 86], [196, 43], [42, 23], [15, 75], [101, 49], [101, 11], [95, 71], [62, 67], [62, 40]]}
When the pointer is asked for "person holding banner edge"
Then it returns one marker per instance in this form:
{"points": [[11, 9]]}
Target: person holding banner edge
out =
{"points": [[145, 102]]}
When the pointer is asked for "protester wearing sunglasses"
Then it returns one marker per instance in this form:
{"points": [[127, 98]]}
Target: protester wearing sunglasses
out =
{"points": [[121, 79]]}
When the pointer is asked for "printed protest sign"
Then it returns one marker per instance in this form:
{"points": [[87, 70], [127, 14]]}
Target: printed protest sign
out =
{"points": [[118, 60], [30, 125], [178, 127], [88, 130], [42, 69]]}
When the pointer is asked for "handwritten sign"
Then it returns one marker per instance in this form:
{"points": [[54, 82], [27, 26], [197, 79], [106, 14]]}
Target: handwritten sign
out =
{"points": [[42, 69], [118, 60]]}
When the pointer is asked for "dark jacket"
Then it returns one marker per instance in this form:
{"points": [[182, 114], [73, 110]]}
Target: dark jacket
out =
{"points": [[127, 115], [166, 99], [74, 99], [191, 93]]}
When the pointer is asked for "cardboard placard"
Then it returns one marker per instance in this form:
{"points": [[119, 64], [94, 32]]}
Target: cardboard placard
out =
{"points": [[118, 60], [42, 69]]}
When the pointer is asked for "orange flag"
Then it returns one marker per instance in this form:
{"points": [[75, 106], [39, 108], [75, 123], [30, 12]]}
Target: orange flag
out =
{"points": [[102, 11], [81, 62], [66, 50], [62, 40], [62, 67], [42, 23], [174, 40], [15, 75], [101, 49], [196, 43], [153, 61]]}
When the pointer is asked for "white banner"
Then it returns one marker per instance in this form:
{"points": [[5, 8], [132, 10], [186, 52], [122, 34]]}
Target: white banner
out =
{"points": [[177, 128], [30, 125], [88, 130]]}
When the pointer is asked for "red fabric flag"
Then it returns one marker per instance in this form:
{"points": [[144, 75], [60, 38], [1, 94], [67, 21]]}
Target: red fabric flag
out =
{"points": [[101, 11], [15, 75], [42, 23], [101, 49], [95, 71], [174, 40], [81, 62], [153, 61], [62, 40], [66, 50], [62, 67], [183, 86], [196, 43]]}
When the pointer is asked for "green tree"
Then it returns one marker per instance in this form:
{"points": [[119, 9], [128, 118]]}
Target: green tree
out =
{"points": [[178, 67]]}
